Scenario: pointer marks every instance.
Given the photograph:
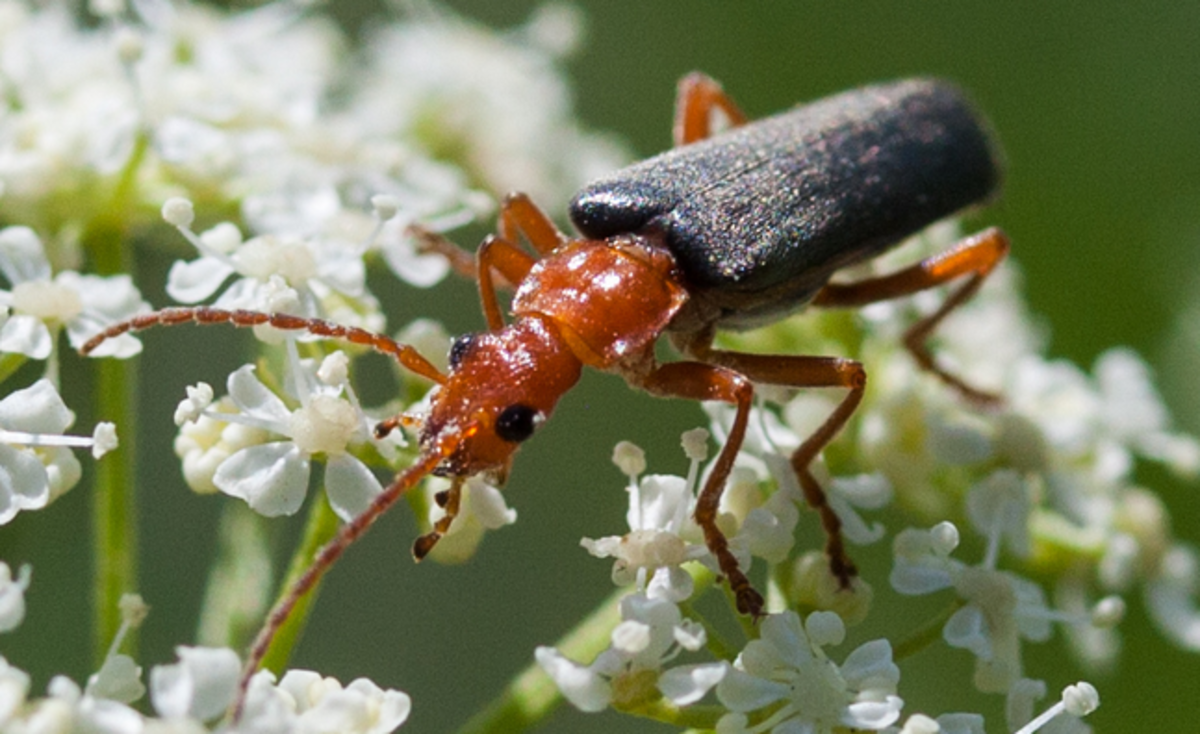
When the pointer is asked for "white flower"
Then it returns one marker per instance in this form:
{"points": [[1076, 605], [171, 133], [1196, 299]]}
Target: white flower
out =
{"points": [[322, 704], [788, 665], [651, 554], [944, 724], [37, 463], [272, 477], [40, 303], [1000, 608], [500, 103], [663, 534], [1171, 596], [322, 278], [201, 685], [481, 508], [120, 677], [629, 673], [195, 693], [68, 709], [12, 598], [1063, 717], [14, 686]]}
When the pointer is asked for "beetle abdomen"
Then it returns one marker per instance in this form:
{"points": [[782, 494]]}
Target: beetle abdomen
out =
{"points": [[759, 217]]}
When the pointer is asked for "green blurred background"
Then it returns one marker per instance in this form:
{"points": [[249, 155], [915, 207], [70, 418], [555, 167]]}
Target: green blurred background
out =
{"points": [[1097, 105]]}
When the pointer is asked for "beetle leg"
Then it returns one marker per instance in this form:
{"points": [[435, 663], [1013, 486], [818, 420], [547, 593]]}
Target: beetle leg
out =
{"points": [[695, 98], [519, 215], [501, 255], [450, 501], [807, 371], [699, 381], [977, 256], [434, 243]]}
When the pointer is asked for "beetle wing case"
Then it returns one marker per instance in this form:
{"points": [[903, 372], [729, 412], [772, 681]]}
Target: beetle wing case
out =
{"points": [[759, 217]]}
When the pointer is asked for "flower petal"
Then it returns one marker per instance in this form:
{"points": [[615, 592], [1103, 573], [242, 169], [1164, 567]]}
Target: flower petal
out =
{"points": [[741, 692], [256, 400], [24, 334], [873, 715], [201, 685], [22, 257], [579, 685], [192, 282], [36, 409], [350, 486], [688, 684], [272, 478], [24, 483]]}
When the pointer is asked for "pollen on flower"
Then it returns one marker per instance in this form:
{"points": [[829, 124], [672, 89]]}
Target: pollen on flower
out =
{"points": [[629, 458], [46, 300], [133, 609], [695, 444], [325, 425], [263, 257], [205, 444]]}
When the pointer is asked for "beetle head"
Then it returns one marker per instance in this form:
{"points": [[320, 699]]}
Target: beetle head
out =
{"points": [[502, 385]]}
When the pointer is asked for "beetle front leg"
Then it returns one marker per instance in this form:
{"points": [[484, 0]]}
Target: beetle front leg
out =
{"points": [[695, 98], [520, 216], [976, 256], [449, 500], [512, 263], [699, 381]]}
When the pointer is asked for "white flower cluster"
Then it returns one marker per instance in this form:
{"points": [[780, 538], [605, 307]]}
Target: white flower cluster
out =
{"points": [[251, 114], [192, 695], [1044, 481]]}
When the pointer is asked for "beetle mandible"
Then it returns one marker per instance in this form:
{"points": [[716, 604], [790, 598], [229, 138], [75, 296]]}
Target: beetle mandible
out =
{"points": [[726, 230]]}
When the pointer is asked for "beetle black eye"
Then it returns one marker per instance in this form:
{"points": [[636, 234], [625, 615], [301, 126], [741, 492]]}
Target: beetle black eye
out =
{"points": [[459, 348], [516, 423]]}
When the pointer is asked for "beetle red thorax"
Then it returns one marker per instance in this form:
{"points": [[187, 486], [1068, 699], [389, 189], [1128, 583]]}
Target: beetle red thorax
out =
{"points": [[611, 299]]}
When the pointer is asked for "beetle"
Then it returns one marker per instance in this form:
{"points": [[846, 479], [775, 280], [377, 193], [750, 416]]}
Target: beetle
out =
{"points": [[728, 230]]}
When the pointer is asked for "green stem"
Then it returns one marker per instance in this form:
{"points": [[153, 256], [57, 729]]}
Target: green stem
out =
{"points": [[10, 362], [239, 583], [702, 718], [114, 496], [114, 510], [925, 635], [320, 528], [532, 696]]}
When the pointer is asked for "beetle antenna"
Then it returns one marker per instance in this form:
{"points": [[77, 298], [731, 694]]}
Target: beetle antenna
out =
{"points": [[410, 358], [328, 555]]}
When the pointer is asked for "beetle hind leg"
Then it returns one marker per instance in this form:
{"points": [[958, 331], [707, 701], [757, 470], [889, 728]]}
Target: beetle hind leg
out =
{"points": [[695, 99], [975, 257]]}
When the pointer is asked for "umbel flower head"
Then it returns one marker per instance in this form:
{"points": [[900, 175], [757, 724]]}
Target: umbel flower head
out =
{"points": [[306, 162]]}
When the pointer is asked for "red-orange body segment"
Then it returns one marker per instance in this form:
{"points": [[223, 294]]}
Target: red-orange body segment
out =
{"points": [[610, 299]]}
